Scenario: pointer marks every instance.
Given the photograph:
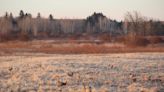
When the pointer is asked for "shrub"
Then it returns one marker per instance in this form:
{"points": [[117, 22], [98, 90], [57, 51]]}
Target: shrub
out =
{"points": [[6, 37], [134, 41], [120, 39], [105, 37], [3, 38], [24, 37], [155, 39]]}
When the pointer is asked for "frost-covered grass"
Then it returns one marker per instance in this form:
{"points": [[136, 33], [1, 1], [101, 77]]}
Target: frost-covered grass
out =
{"points": [[133, 72]]}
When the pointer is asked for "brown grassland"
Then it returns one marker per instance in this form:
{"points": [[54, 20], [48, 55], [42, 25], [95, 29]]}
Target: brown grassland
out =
{"points": [[77, 47]]}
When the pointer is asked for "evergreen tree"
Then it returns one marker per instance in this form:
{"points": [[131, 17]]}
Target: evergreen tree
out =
{"points": [[6, 15], [50, 17], [39, 15], [21, 14]]}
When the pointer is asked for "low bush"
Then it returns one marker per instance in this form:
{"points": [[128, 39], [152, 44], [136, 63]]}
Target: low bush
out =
{"points": [[155, 39], [105, 37], [6, 37], [134, 41], [120, 39], [24, 37]]}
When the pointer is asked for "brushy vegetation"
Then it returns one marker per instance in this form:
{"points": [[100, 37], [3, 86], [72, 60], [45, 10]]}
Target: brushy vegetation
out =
{"points": [[136, 41], [155, 39]]}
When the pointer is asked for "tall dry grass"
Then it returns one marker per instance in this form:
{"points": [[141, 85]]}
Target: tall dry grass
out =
{"points": [[72, 48]]}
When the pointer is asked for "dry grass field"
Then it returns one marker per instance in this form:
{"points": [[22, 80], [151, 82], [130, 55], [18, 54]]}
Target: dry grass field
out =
{"points": [[81, 46], [124, 72], [73, 47]]}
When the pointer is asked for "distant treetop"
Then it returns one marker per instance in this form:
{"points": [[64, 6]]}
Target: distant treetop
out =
{"points": [[39, 15], [21, 14], [94, 18], [51, 17]]}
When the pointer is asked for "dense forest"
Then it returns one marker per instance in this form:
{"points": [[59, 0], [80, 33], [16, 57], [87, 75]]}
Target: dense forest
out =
{"points": [[25, 27]]}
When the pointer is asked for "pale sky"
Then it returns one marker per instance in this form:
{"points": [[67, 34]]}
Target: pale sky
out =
{"points": [[114, 9]]}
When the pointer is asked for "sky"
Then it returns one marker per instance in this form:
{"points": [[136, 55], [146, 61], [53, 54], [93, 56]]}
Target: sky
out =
{"points": [[114, 9]]}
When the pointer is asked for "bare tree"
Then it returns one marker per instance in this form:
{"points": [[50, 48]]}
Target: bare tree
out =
{"points": [[135, 26], [135, 23]]}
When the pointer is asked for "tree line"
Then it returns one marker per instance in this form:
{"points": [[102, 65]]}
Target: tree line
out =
{"points": [[25, 27]]}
